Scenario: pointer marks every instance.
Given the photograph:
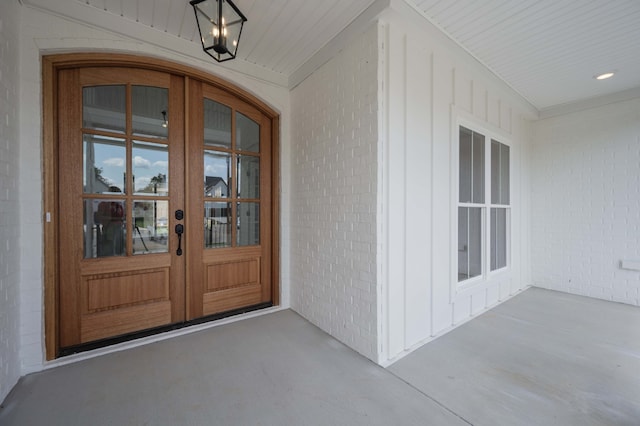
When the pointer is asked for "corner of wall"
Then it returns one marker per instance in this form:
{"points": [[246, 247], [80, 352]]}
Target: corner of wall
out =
{"points": [[10, 217]]}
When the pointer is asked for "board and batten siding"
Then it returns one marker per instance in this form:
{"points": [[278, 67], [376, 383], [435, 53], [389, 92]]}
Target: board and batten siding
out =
{"points": [[427, 84]]}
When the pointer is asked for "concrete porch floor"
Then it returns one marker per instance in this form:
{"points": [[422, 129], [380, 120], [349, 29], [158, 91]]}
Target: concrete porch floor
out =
{"points": [[541, 358]]}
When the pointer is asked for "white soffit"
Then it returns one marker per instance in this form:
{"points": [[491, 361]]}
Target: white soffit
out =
{"points": [[548, 51], [279, 37]]}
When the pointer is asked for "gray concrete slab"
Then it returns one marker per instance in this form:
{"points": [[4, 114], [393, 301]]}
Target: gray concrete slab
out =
{"points": [[277, 369], [541, 358]]}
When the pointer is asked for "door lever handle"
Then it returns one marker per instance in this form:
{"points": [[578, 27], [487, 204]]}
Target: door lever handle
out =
{"points": [[179, 231]]}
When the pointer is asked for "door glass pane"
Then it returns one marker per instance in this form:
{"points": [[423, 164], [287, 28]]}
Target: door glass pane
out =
{"points": [[217, 174], [104, 107], [150, 226], [469, 242], [104, 228], [248, 176], [217, 124], [248, 224], [104, 164], [247, 134], [217, 225], [150, 167], [150, 111]]}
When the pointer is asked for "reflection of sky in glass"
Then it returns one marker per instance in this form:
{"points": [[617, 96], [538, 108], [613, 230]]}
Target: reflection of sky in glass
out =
{"points": [[217, 165], [149, 160], [107, 154]]}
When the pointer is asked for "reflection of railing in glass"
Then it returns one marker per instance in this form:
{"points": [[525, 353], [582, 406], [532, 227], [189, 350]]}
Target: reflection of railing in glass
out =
{"points": [[216, 234]]}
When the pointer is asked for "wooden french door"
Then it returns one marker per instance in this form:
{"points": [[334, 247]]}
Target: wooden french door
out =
{"points": [[164, 202], [229, 146]]}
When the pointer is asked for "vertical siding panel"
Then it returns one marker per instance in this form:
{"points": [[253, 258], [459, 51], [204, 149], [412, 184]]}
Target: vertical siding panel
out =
{"points": [[441, 214], [463, 97], [418, 201], [479, 100], [493, 294], [461, 309], [478, 301], [493, 109], [396, 173], [505, 117]]}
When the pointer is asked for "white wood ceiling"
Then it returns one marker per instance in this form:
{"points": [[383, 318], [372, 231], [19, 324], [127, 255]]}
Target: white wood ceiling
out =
{"points": [[547, 50], [280, 35]]}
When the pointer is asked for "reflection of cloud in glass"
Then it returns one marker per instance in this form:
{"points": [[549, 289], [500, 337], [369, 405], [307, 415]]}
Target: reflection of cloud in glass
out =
{"points": [[141, 162], [163, 164], [114, 162], [142, 181], [219, 169]]}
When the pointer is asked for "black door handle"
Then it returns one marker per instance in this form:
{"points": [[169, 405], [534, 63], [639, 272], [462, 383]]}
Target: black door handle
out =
{"points": [[179, 231]]}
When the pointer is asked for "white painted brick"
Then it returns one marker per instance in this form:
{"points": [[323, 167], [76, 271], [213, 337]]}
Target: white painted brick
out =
{"points": [[586, 202], [9, 201], [333, 228]]}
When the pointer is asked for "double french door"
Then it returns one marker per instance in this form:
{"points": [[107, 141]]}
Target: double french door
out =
{"points": [[164, 188]]}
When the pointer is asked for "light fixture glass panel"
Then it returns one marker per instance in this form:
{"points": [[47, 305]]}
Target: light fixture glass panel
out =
{"points": [[104, 108], [150, 167], [104, 164], [150, 112], [220, 24]]}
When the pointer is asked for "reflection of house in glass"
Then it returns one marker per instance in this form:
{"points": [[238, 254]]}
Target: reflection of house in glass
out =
{"points": [[215, 187]]}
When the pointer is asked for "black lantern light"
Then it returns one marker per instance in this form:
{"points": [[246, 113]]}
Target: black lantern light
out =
{"points": [[220, 25]]}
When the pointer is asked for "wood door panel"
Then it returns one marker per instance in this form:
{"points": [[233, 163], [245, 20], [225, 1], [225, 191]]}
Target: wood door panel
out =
{"points": [[231, 298], [117, 290], [221, 276], [125, 320]]}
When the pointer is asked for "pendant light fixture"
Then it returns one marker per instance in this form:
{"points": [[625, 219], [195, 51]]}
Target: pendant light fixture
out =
{"points": [[220, 25]]}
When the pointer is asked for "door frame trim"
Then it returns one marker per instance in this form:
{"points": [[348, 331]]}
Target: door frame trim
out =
{"points": [[51, 64]]}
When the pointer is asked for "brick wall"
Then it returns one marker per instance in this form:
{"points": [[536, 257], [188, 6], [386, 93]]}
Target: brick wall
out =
{"points": [[333, 201], [586, 202], [9, 203]]}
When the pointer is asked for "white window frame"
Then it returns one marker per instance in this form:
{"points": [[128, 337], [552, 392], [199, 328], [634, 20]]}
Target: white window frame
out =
{"points": [[462, 118]]}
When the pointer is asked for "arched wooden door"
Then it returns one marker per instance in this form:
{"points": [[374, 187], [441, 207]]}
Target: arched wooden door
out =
{"points": [[165, 206]]}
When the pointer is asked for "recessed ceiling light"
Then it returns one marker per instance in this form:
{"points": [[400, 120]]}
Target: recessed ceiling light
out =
{"points": [[604, 76]]}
